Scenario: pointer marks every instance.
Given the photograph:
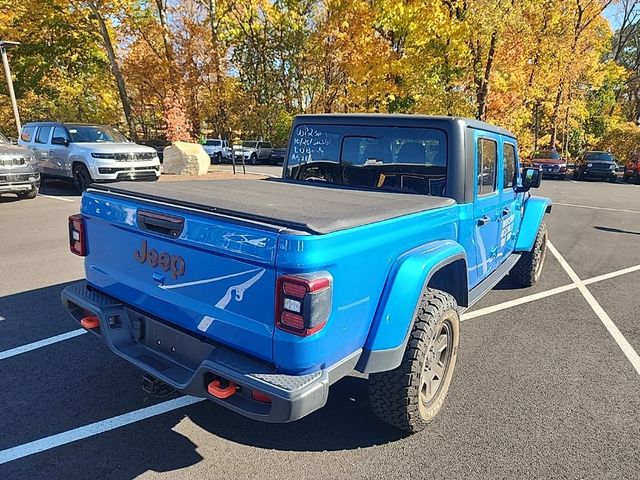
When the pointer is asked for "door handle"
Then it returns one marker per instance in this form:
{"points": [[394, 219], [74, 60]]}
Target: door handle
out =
{"points": [[483, 220], [505, 212]]}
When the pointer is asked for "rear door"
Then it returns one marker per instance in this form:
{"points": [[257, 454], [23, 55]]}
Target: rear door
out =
{"points": [[41, 148], [59, 154], [510, 201], [486, 203]]}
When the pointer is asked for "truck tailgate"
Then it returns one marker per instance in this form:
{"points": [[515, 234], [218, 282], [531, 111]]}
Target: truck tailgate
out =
{"points": [[211, 276]]}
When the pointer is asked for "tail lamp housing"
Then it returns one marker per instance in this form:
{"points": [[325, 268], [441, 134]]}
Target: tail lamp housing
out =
{"points": [[303, 302], [77, 237]]}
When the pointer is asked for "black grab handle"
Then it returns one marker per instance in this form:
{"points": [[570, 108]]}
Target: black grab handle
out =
{"points": [[160, 223]]}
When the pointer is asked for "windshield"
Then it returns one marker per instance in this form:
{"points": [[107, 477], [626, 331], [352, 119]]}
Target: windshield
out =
{"points": [[607, 157], [212, 143], [412, 160], [3, 139], [249, 144], [549, 154], [90, 134]]}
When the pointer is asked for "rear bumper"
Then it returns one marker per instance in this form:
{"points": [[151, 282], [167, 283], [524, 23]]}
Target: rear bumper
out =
{"points": [[189, 363]]}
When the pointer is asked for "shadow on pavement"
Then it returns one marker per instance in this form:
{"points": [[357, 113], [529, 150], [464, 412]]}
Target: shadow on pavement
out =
{"points": [[346, 422], [10, 198], [616, 230], [59, 187]]}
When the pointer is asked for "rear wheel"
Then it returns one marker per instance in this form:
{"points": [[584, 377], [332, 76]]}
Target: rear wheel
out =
{"points": [[81, 177], [411, 395], [528, 269]]}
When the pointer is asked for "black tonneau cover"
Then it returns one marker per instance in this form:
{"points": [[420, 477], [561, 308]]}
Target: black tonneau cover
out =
{"points": [[306, 207]]}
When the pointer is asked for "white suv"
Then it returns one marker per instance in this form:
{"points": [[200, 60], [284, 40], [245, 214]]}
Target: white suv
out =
{"points": [[87, 153], [217, 149]]}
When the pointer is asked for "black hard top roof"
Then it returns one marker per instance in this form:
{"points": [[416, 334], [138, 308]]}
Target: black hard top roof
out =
{"points": [[399, 119]]}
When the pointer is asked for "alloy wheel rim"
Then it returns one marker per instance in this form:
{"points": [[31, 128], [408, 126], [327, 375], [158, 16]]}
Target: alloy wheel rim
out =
{"points": [[543, 254], [436, 363]]}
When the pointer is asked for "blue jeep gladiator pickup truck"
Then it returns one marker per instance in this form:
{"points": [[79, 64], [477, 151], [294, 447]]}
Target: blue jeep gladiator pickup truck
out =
{"points": [[259, 295]]}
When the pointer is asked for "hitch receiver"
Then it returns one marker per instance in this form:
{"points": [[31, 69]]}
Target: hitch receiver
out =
{"points": [[155, 387]]}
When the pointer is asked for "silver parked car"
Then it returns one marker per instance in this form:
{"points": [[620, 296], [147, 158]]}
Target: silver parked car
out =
{"points": [[18, 172], [88, 153], [253, 151]]}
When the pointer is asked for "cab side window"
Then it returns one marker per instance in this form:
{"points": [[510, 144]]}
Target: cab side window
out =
{"points": [[487, 162], [509, 160], [42, 135], [59, 132]]}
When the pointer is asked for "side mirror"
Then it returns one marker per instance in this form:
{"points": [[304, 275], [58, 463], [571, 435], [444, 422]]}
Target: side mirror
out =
{"points": [[60, 141], [531, 178]]}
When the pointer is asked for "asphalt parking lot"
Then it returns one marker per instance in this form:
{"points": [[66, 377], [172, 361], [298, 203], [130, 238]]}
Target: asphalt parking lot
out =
{"points": [[547, 382]]}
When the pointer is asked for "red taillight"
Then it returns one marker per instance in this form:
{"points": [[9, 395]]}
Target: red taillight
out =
{"points": [[77, 241], [303, 302]]}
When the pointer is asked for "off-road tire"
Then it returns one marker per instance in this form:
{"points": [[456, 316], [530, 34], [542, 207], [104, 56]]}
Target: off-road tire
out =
{"points": [[31, 194], [528, 269], [81, 177], [399, 397]]}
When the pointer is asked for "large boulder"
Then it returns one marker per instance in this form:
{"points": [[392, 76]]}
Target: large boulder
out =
{"points": [[181, 158]]}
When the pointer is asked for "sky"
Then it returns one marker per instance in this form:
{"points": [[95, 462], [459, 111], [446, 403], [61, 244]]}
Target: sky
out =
{"points": [[614, 15]]}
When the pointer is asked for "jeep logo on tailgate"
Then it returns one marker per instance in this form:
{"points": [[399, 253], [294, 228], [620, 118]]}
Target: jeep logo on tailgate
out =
{"points": [[163, 260]]}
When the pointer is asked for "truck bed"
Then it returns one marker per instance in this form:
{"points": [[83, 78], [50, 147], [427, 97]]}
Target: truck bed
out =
{"points": [[303, 207]]}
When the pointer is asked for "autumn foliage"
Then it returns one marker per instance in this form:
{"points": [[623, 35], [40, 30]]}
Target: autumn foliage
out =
{"points": [[553, 71]]}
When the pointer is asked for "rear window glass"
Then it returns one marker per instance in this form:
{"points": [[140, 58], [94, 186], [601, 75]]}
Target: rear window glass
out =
{"points": [[411, 160], [27, 134], [213, 143]]}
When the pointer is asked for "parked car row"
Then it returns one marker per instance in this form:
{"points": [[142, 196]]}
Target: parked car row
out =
{"points": [[251, 151], [597, 165]]}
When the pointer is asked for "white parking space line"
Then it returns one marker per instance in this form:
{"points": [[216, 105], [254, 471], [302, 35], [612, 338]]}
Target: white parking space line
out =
{"points": [[622, 342], [596, 208], [41, 343], [93, 429], [518, 301], [573, 181], [607, 276], [54, 197]]}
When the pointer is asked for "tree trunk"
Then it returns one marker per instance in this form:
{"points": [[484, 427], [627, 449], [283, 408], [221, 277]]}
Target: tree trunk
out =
{"points": [[554, 116], [115, 70], [166, 40], [221, 117], [483, 88]]}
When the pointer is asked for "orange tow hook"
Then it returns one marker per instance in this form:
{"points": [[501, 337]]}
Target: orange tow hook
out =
{"points": [[90, 322], [218, 391]]}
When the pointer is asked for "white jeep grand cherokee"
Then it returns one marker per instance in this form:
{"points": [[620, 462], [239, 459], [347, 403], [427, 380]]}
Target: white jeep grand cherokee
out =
{"points": [[87, 153]]}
